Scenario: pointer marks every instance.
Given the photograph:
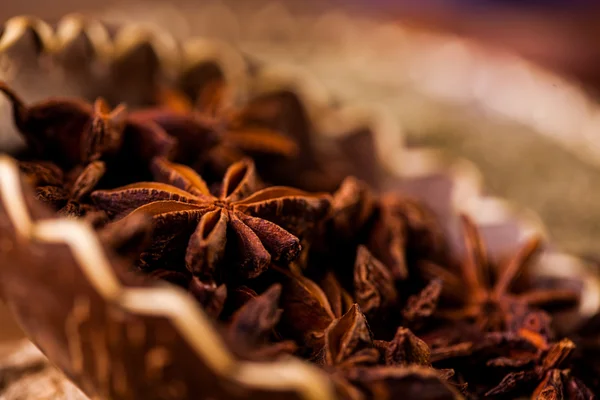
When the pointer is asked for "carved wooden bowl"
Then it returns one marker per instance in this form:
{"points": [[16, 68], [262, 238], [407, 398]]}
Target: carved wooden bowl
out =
{"points": [[122, 339]]}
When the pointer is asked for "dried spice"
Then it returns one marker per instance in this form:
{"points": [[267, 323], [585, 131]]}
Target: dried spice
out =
{"points": [[405, 232], [483, 289], [361, 283], [373, 285], [274, 129], [71, 133], [66, 194], [552, 380], [242, 227], [252, 325], [214, 134]]}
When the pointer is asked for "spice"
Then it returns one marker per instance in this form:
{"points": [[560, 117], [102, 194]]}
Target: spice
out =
{"points": [[71, 133], [361, 283], [242, 227], [214, 134], [67, 195]]}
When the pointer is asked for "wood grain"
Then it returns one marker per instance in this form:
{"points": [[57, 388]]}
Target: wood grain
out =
{"points": [[26, 374]]}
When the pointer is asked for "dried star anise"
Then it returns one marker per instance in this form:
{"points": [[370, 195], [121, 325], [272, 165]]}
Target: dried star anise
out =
{"points": [[348, 340], [421, 306], [364, 284], [72, 133], [407, 349], [553, 382], [389, 383], [252, 325], [373, 286], [484, 290], [308, 311], [353, 205], [404, 232], [65, 194], [247, 228], [398, 231], [213, 134]]}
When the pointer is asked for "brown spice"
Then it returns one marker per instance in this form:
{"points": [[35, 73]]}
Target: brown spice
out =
{"points": [[359, 282]]}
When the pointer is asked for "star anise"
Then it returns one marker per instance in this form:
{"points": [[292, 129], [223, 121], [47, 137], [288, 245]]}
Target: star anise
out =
{"points": [[398, 231], [348, 345], [374, 288], [335, 331], [67, 194], [214, 134], [72, 133], [406, 349], [353, 206], [348, 341], [248, 228], [251, 328], [552, 380], [387, 383], [362, 283], [297, 156], [420, 307], [483, 290], [308, 311], [405, 232]]}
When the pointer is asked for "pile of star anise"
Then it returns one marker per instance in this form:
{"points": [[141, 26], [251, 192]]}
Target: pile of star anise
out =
{"points": [[362, 283]]}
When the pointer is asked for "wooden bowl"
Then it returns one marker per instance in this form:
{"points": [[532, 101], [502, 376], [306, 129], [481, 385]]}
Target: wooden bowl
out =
{"points": [[123, 339]]}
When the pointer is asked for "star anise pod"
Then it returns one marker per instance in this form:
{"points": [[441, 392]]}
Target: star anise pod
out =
{"points": [[337, 335], [405, 232], [214, 134], [481, 359], [348, 341], [387, 383], [420, 307], [128, 237], [339, 298], [406, 349], [67, 194], [552, 380], [249, 228], [308, 311], [352, 209], [251, 328], [483, 289], [348, 346], [71, 132], [353, 205], [333, 298], [374, 288], [316, 162], [398, 231]]}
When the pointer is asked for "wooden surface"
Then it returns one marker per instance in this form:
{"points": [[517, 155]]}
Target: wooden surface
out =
{"points": [[25, 374], [9, 330]]}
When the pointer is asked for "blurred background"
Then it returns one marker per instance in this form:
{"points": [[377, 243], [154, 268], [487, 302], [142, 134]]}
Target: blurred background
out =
{"points": [[509, 85], [563, 36]]}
